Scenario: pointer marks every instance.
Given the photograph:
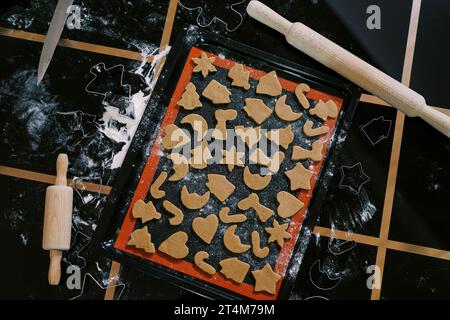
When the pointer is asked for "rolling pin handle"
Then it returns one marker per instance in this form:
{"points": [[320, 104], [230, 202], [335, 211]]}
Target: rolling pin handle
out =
{"points": [[62, 164], [54, 271], [266, 15]]}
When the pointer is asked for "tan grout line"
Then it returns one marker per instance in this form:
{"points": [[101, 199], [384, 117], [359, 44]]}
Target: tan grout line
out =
{"points": [[78, 45], [50, 179], [420, 250], [112, 280], [387, 244], [165, 40], [396, 148], [373, 100], [343, 235]]}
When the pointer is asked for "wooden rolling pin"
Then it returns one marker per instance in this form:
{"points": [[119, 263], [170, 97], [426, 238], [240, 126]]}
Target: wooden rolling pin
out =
{"points": [[351, 67], [58, 219]]}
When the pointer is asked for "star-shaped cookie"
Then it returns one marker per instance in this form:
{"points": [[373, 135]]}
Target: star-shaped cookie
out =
{"points": [[266, 280], [300, 177], [278, 233], [204, 64]]}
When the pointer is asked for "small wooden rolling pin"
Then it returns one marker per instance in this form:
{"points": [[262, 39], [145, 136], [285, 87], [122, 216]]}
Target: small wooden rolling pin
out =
{"points": [[351, 67], [58, 219]]}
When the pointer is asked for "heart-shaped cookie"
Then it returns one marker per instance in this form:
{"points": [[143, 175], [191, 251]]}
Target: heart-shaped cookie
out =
{"points": [[206, 228], [289, 205], [175, 245]]}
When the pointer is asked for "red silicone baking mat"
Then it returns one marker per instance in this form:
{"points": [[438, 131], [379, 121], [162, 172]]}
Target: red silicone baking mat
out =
{"points": [[282, 259]]}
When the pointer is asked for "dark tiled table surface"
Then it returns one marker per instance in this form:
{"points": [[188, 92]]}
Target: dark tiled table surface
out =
{"points": [[38, 123]]}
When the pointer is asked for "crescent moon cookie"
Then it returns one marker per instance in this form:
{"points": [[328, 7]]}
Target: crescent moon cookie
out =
{"points": [[254, 181], [284, 111], [232, 242], [193, 200]]}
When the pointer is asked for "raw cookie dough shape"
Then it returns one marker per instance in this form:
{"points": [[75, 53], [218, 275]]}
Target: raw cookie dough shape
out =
{"points": [[269, 84], [175, 245], [240, 76], [232, 242], [266, 280], [141, 239], [193, 200], [259, 252], [282, 137], [254, 181], [222, 116], [315, 154], [313, 132], [220, 186], [198, 123], [300, 177], [278, 233], [180, 166], [225, 217], [190, 99], [199, 260], [288, 204], [232, 158], [174, 137], [145, 211], [257, 110], [204, 64], [252, 201], [206, 228], [250, 136], [155, 190], [325, 110], [300, 94], [259, 157], [275, 162], [217, 93], [200, 156], [178, 215], [284, 111], [234, 269]]}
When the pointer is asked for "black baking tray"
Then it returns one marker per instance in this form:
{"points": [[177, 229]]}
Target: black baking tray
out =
{"points": [[129, 175]]}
